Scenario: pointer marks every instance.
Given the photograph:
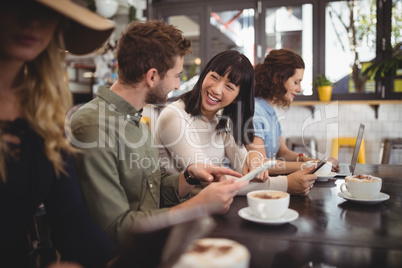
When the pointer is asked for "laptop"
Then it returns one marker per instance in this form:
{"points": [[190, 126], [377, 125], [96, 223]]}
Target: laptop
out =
{"points": [[349, 169]]}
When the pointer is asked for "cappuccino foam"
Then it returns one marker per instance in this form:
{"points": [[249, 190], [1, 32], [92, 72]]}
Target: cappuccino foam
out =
{"points": [[263, 195], [362, 178], [214, 253]]}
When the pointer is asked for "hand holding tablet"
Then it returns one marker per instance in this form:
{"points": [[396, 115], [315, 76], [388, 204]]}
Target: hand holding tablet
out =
{"points": [[251, 175]]}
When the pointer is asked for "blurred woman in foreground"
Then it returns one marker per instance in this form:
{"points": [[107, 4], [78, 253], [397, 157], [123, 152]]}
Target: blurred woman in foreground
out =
{"points": [[36, 164]]}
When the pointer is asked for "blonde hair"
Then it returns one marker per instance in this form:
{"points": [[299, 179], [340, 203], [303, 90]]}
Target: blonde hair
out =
{"points": [[45, 100]]}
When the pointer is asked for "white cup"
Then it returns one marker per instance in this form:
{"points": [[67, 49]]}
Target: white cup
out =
{"points": [[309, 164], [268, 204], [361, 186], [213, 253], [323, 171]]}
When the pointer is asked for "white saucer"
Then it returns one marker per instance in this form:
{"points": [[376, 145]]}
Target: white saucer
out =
{"points": [[290, 215], [379, 198], [326, 177]]}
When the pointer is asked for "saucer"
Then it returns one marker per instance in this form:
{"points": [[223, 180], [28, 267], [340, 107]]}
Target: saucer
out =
{"points": [[326, 177], [290, 215], [379, 198]]}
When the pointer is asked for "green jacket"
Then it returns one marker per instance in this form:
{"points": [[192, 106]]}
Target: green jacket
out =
{"points": [[118, 166]]}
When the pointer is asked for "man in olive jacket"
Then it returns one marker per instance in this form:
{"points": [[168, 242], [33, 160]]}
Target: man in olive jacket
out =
{"points": [[117, 165]]}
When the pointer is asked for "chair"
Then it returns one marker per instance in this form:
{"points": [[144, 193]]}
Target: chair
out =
{"points": [[348, 142], [388, 148], [306, 145]]}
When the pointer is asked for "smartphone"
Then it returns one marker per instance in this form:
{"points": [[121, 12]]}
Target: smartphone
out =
{"points": [[319, 165]]}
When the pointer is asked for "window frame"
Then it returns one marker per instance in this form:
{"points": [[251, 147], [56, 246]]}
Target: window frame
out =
{"points": [[384, 87]]}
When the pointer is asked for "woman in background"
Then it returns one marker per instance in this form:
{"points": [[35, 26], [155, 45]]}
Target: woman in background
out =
{"points": [[277, 82], [214, 121], [36, 160]]}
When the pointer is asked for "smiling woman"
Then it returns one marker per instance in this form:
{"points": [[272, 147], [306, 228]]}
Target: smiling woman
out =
{"points": [[278, 81], [214, 123], [214, 120]]}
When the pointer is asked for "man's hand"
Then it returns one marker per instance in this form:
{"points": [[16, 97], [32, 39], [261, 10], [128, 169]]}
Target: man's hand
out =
{"points": [[216, 197], [300, 182], [210, 173], [205, 174]]}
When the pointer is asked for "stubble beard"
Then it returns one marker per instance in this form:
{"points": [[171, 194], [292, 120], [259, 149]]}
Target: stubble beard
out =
{"points": [[156, 96]]}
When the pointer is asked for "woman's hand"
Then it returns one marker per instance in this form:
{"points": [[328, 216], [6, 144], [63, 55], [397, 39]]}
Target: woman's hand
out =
{"points": [[300, 182], [254, 160], [335, 163]]}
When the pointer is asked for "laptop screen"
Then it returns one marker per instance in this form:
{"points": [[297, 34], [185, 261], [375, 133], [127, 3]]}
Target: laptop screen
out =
{"points": [[356, 150]]}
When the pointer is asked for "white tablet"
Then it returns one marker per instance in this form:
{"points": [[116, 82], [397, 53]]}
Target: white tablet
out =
{"points": [[251, 175]]}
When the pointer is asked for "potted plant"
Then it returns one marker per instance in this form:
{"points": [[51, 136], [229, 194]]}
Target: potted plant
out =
{"points": [[387, 67], [324, 87]]}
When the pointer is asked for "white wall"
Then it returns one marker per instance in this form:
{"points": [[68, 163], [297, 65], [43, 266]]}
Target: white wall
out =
{"points": [[343, 121], [336, 120]]}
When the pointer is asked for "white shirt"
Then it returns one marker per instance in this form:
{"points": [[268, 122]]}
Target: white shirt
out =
{"points": [[183, 139]]}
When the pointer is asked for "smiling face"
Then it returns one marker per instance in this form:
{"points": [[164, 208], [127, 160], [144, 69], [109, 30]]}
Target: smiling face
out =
{"points": [[25, 31], [293, 85], [217, 92]]}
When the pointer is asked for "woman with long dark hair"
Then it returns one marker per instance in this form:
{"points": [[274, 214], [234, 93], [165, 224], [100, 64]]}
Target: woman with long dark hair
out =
{"points": [[213, 122]]}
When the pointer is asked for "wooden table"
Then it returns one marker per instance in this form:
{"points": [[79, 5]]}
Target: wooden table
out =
{"points": [[330, 231]]}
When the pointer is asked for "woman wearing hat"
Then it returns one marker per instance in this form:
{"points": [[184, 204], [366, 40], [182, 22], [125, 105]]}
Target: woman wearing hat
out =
{"points": [[36, 164]]}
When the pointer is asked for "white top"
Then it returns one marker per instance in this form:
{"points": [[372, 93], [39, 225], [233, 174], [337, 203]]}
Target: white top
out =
{"points": [[183, 139]]}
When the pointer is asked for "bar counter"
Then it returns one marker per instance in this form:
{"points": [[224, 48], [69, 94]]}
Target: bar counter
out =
{"points": [[329, 232]]}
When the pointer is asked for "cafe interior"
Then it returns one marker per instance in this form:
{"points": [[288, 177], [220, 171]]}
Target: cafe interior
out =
{"points": [[313, 29], [336, 39]]}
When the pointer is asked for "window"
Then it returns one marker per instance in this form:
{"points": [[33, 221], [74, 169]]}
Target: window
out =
{"points": [[189, 24], [336, 38], [350, 44], [291, 27], [396, 39], [233, 29]]}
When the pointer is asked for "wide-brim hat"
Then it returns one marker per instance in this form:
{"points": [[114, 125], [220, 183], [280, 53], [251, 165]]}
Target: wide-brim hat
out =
{"points": [[86, 30]]}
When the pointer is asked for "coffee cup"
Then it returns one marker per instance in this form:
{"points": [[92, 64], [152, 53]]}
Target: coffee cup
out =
{"points": [[361, 186], [309, 164], [323, 171], [268, 204], [214, 253]]}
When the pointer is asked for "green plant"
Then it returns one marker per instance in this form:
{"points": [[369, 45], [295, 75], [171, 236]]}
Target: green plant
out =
{"points": [[386, 67], [132, 13], [322, 80], [91, 5]]}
